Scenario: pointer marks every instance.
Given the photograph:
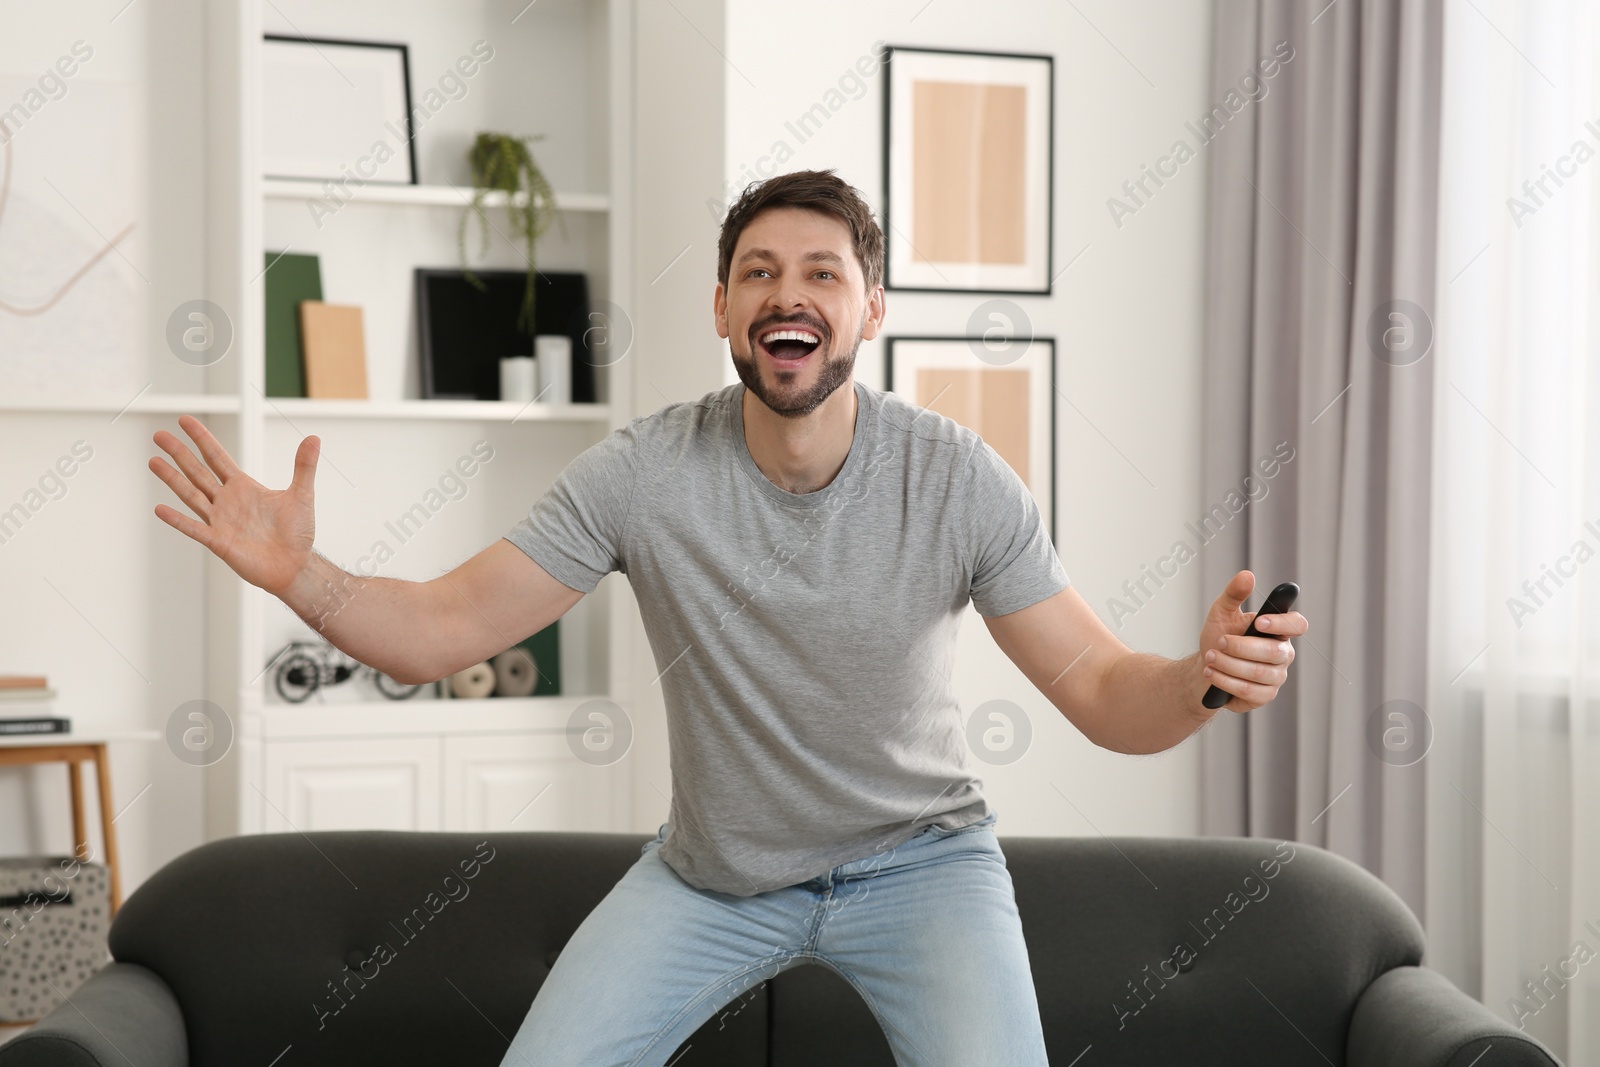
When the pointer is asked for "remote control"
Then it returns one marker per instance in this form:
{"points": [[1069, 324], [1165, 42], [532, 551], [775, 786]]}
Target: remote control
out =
{"points": [[1278, 601]]}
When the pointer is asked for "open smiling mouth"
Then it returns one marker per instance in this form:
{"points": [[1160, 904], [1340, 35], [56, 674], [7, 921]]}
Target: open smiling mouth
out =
{"points": [[791, 345]]}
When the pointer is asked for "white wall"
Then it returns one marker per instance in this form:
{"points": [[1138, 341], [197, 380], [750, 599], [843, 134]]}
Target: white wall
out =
{"points": [[87, 584], [95, 591], [1126, 316], [679, 84]]}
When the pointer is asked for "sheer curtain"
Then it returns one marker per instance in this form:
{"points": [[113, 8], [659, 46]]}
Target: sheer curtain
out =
{"points": [[1323, 212], [1513, 910]]}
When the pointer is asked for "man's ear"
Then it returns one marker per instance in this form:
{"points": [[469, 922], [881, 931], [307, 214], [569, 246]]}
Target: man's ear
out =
{"points": [[872, 321], [719, 310]]}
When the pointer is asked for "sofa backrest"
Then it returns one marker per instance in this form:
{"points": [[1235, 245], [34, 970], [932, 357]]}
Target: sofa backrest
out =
{"points": [[427, 948], [1202, 950]]}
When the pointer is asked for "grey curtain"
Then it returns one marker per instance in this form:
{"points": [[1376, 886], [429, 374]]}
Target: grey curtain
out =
{"points": [[1323, 197]]}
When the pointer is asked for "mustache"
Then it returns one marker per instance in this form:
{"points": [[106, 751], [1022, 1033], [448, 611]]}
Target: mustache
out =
{"points": [[815, 325]]}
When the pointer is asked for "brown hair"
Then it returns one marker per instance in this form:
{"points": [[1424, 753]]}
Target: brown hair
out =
{"points": [[814, 190]]}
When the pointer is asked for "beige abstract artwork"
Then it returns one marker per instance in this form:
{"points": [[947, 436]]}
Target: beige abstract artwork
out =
{"points": [[993, 401], [968, 150]]}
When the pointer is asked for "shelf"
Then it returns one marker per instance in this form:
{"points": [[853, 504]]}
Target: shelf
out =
{"points": [[469, 410], [301, 407], [419, 716], [145, 404], [87, 732], [420, 195]]}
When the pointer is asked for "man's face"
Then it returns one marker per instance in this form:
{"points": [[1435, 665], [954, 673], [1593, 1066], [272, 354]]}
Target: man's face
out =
{"points": [[795, 308]]}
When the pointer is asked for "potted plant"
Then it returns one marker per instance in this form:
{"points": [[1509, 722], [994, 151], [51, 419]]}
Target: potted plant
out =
{"points": [[502, 163]]}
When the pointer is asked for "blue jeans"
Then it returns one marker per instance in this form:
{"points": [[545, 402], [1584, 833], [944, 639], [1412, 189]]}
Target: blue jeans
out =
{"points": [[928, 933]]}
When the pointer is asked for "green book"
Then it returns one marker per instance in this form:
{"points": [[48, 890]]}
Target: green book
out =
{"points": [[545, 648], [289, 279]]}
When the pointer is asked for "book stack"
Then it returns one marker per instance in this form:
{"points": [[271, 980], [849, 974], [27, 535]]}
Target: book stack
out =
{"points": [[25, 706]]}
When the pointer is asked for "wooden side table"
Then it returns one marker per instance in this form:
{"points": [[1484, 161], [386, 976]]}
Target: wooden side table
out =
{"points": [[72, 749]]}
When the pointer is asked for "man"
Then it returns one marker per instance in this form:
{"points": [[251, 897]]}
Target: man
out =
{"points": [[802, 548]]}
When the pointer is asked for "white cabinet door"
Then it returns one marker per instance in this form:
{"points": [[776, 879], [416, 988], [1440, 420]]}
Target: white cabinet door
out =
{"points": [[377, 784], [528, 782]]}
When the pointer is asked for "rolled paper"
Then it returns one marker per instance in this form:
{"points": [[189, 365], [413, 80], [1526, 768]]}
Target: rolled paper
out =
{"points": [[474, 682], [514, 673]]}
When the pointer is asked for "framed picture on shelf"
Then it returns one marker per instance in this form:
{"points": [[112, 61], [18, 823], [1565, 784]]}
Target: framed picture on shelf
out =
{"points": [[338, 110], [1010, 404], [968, 164], [463, 331]]}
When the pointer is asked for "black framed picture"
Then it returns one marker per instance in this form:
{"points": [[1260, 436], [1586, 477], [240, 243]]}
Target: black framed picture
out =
{"points": [[463, 331], [1005, 393], [337, 110], [968, 169]]}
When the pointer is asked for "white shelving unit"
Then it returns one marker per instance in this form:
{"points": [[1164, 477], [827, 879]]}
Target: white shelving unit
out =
{"points": [[145, 403], [468, 410], [425, 195], [421, 764]]}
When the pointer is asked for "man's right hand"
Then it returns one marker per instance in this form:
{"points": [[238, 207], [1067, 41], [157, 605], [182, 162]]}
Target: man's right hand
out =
{"points": [[415, 632], [264, 535]]}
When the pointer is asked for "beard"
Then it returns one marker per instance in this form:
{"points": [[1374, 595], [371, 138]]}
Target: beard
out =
{"points": [[791, 400]]}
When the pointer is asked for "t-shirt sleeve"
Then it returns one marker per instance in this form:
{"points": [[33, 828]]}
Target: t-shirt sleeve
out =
{"points": [[1013, 561], [575, 530]]}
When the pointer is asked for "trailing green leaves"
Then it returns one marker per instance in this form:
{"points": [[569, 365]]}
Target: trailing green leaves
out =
{"points": [[503, 163]]}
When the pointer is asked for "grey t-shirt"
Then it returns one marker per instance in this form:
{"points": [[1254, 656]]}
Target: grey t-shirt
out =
{"points": [[806, 641]]}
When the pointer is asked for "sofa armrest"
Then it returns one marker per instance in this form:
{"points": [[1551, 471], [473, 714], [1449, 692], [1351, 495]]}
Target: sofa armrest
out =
{"points": [[1415, 1017], [123, 1014]]}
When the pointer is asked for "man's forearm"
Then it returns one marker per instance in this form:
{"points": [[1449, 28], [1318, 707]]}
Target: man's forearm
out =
{"points": [[1150, 703], [381, 622]]}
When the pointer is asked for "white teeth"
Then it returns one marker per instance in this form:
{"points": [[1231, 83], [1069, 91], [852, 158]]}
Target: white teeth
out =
{"points": [[790, 335]]}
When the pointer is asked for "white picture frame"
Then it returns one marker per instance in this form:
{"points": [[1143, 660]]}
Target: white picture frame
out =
{"points": [[335, 110], [1006, 395], [969, 166]]}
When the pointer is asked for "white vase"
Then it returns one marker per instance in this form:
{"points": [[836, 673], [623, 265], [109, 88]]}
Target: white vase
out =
{"points": [[518, 378], [553, 353]]}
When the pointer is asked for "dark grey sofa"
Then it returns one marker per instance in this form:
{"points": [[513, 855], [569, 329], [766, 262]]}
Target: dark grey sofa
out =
{"points": [[227, 956]]}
